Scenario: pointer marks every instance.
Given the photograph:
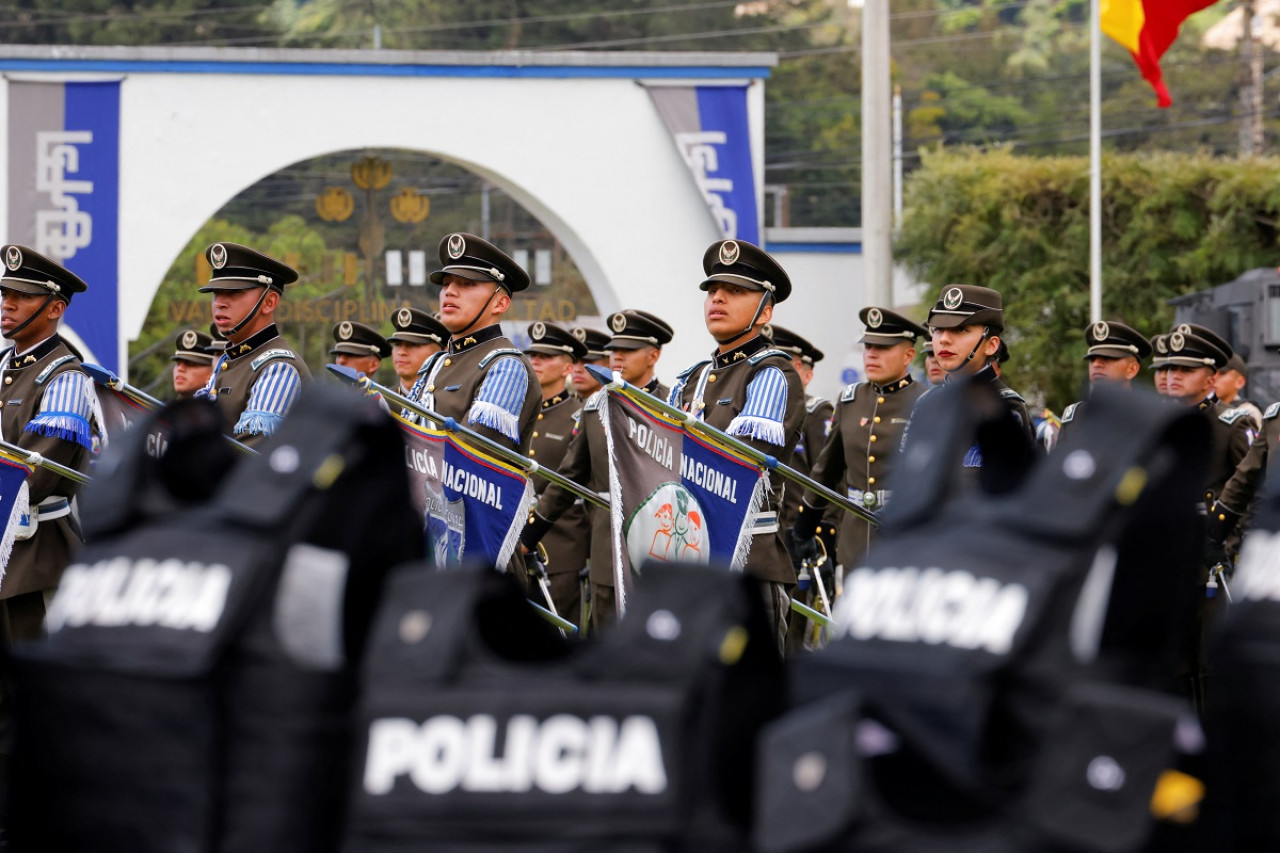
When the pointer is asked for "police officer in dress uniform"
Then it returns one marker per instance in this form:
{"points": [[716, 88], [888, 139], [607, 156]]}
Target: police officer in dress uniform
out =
{"points": [[866, 429], [417, 337], [553, 350], [584, 384], [966, 324], [481, 380], [749, 390], [1114, 357], [1229, 388], [359, 347], [192, 362], [1245, 486], [633, 351], [933, 374], [817, 419], [1190, 357], [46, 406], [259, 374]]}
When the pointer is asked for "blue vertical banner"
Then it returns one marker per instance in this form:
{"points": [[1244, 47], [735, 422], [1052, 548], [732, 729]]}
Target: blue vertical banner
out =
{"points": [[712, 130], [64, 195]]}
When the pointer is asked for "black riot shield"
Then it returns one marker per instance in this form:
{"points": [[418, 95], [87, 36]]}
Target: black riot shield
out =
{"points": [[986, 688], [484, 730], [195, 688]]}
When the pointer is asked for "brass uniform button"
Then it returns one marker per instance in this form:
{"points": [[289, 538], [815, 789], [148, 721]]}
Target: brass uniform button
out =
{"points": [[871, 459], [431, 388], [871, 481], [541, 416], [448, 361], [8, 380], [873, 438], [535, 433], [879, 399], [533, 452], [877, 419], [711, 378]]}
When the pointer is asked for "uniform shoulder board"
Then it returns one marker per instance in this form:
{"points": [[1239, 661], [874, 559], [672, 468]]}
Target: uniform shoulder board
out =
{"points": [[769, 353], [689, 371], [1231, 416], [850, 393], [595, 402], [484, 362], [51, 367], [1010, 394], [270, 355], [815, 404], [1069, 412], [1271, 412]]}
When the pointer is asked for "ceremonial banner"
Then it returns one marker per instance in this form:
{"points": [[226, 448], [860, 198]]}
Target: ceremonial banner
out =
{"points": [[64, 194], [119, 411], [15, 506], [677, 497], [473, 505], [712, 132]]}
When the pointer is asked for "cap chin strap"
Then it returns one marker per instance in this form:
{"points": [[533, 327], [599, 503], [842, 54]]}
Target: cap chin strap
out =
{"points": [[750, 326], [34, 314], [986, 335], [253, 312], [483, 308]]}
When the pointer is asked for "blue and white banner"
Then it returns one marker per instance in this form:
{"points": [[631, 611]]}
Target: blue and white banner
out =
{"points": [[711, 128], [677, 497], [64, 195], [473, 505], [15, 504]]}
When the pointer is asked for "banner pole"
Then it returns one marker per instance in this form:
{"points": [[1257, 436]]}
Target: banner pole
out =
{"points": [[524, 463], [107, 379], [771, 463], [32, 458]]}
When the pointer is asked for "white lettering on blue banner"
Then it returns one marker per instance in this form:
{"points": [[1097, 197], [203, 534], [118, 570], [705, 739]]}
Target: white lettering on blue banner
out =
{"points": [[66, 228]]}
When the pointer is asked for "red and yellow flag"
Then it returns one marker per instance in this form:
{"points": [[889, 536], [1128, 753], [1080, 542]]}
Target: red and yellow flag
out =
{"points": [[1147, 28]]}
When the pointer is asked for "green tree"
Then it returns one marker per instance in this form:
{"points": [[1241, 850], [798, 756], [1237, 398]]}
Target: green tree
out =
{"points": [[1172, 224]]}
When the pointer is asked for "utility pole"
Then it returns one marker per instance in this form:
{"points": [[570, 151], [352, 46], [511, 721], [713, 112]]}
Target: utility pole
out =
{"points": [[877, 155], [1250, 80]]}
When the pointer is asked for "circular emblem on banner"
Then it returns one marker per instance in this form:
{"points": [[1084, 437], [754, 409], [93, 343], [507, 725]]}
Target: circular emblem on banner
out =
{"points": [[1184, 329], [457, 246], [403, 318], [952, 298], [189, 339], [538, 331], [1101, 331], [579, 333], [345, 330], [13, 258], [1177, 342], [218, 256], [729, 252], [618, 322], [874, 318]]}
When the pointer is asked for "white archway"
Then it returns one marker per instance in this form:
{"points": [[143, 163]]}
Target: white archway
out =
{"points": [[574, 138]]}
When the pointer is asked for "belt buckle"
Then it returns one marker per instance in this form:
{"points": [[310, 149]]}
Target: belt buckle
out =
{"points": [[869, 499]]}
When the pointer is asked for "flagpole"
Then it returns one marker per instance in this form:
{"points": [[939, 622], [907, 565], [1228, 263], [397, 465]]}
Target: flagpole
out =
{"points": [[1095, 161]]}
